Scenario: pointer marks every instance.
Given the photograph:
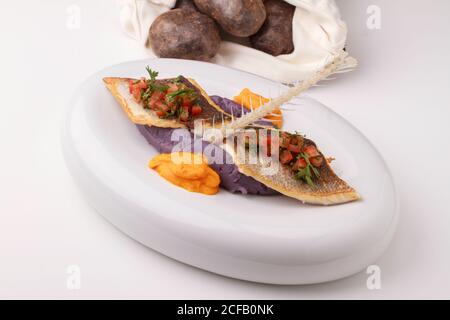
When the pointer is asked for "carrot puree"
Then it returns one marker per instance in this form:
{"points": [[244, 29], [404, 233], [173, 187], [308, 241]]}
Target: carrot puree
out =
{"points": [[187, 170]]}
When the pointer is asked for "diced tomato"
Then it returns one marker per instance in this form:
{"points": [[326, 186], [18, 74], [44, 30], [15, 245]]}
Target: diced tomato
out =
{"points": [[143, 85], [297, 140], [186, 103], [172, 104], [136, 88], [136, 92], [294, 148], [160, 105], [316, 161], [284, 140], [156, 96], [286, 157], [196, 110], [172, 87], [160, 113], [311, 151], [130, 86], [299, 164]]}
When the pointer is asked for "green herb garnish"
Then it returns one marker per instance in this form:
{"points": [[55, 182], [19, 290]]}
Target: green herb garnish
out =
{"points": [[182, 92], [152, 84], [172, 112], [153, 74], [306, 174], [177, 80]]}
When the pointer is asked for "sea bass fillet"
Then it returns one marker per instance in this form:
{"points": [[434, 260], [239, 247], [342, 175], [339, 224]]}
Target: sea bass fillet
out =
{"points": [[302, 173], [147, 114]]}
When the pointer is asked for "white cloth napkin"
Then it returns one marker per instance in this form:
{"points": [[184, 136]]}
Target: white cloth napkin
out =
{"points": [[318, 35]]}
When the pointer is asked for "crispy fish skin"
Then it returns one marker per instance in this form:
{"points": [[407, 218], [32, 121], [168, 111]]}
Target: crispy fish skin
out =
{"points": [[144, 116], [329, 189], [335, 191]]}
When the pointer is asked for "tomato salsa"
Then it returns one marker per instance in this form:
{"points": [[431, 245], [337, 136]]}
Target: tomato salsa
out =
{"points": [[300, 154], [168, 98]]}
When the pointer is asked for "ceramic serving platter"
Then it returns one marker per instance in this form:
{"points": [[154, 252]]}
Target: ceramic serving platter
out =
{"points": [[271, 239]]}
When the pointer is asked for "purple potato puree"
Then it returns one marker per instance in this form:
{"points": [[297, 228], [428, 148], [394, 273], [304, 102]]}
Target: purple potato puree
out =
{"points": [[230, 177]]}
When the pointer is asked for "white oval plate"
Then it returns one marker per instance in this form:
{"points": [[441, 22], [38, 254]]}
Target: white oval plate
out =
{"points": [[264, 239]]}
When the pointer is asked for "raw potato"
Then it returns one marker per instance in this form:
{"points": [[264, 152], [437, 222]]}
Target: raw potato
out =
{"points": [[240, 18], [184, 34], [185, 4], [275, 36]]}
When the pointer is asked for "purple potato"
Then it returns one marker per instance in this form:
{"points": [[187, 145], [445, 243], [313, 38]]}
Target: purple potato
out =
{"points": [[184, 34], [275, 36], [240, 18], [185, 4]]}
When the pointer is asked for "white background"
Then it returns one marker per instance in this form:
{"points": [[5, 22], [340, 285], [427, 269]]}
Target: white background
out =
{"points": [[399, 98]]}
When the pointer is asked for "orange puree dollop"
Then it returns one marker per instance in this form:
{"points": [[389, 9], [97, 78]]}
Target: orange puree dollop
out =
{"points": [[187, 170]]}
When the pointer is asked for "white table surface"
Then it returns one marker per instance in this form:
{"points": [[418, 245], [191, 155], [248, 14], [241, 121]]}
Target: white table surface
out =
{"points": [[399, 98]]}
